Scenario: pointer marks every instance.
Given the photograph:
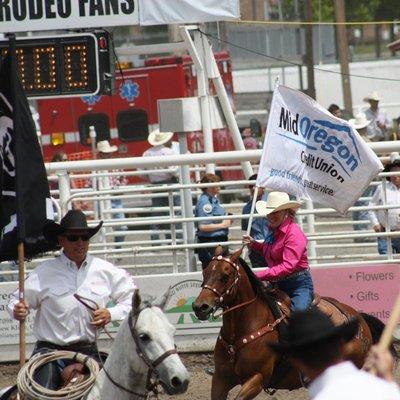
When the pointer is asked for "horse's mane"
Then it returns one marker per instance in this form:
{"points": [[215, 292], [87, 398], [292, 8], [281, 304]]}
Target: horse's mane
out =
{"points": [[258, 288], [256, 284]]}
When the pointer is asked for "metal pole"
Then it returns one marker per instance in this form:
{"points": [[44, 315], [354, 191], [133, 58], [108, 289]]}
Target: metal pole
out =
{"points": [[215, 76], [187, 204], [312, 251], [64, 189], [173, 231], [309, 50], [196, 52], [343, 50]]}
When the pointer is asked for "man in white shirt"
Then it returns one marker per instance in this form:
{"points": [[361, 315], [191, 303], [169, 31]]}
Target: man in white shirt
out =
{"points": [[378, 217], [160, 147], [62, 322], [379, 126], [316, 346]]}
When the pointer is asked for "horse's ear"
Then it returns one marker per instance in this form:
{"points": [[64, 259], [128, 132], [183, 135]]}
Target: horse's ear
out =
{"points": [[218, 251], [164, 299], [234, 257], [136, 300]]}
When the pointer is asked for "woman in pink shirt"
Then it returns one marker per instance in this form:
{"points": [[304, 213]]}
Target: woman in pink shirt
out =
{"points": [[284, 250]]}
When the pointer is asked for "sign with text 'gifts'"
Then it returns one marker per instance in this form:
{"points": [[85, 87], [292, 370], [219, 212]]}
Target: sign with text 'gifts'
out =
{"points": [[312, 154], [368, 288]]}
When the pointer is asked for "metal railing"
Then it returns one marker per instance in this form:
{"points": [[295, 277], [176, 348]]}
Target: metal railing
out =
{"points": [[332, 238]]}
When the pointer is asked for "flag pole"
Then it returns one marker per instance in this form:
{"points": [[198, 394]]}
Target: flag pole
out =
{"points": [[21, 231], [253, 206], [21, 276]]}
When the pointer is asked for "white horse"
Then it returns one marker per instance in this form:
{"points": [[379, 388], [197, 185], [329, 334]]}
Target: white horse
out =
{"points": [[143, 349]]}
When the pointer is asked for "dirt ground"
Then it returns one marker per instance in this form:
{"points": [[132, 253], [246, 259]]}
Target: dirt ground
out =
{"points": [[200, 383]]}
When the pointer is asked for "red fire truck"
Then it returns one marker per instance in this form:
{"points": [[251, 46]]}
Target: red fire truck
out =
{"points": [[126, 117]]}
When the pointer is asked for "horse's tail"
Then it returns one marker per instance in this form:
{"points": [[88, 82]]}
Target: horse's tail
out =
{"points": [[376, 327]]}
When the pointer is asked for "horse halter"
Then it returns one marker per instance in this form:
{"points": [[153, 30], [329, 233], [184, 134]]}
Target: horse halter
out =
{"points": [[151, 386], [152, 365], [235, 266]]}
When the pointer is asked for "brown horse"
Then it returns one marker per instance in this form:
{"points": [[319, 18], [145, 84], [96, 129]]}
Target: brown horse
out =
{"points": [[251, 319]]}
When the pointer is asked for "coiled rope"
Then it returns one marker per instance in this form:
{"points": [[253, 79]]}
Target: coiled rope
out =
{"points": [[32, 390]]}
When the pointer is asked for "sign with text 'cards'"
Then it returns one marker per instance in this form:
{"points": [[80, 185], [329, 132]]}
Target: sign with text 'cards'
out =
{"points": [[312, 154]]}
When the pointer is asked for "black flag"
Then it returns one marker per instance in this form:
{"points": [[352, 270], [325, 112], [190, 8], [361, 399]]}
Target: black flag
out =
{"points": [[25, 202]]}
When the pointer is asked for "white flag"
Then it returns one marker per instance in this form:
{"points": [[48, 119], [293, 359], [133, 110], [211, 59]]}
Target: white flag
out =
{"points": [[312, 154]]}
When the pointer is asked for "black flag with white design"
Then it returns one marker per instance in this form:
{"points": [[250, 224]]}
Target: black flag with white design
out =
{"points": [[25, 203]]}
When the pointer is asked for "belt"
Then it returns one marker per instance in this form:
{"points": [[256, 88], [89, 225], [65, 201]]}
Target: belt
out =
{"points": [[294, 275], [72, 346]]}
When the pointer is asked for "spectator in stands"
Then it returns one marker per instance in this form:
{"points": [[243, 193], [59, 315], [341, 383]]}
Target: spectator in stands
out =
{"points": [[360, 123], [161, 142], [59, 156], [379, 127], [208, 231], [106, 151], [335, 110], [377, 217], [259, 229], [250, 142], [315, 346]]}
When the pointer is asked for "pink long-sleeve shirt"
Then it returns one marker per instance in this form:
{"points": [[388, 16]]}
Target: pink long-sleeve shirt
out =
{"points": [[286, 255]]}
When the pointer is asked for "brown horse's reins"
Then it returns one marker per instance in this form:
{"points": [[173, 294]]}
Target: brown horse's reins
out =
{"points": [[152, 365], [239, 343]]}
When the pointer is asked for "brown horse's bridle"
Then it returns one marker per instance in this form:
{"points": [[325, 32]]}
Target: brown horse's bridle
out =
{"points": [[230, 290]]}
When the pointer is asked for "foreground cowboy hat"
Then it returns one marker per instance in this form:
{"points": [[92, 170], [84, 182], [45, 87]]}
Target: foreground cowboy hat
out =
{"points": [[73, 221], [373, 96], [276, 201], [359, 122], [306, 328], [157, 138], [104, 147]]}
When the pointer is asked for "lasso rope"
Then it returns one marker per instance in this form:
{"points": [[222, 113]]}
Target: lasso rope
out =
{"points": [[32, 390]]}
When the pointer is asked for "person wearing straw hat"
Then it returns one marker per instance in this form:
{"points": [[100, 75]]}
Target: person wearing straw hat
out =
{"points": [[390, 197], [61, 321], [284, 250], [316, 347], [106, 151], [160, 142], [360, 124], [379, 127]]}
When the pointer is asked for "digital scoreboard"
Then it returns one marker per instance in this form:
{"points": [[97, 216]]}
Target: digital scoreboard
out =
{"points": [[64, 65]]}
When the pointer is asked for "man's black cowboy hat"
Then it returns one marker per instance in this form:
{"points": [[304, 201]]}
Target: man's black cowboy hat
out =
{"points": [[73, 221], [309, 327]]}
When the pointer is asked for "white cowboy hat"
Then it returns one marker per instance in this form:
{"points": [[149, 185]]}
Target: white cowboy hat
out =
{"points": [[157, 138], [373, 96], [276, 201], [359, 122], [104, 147]]}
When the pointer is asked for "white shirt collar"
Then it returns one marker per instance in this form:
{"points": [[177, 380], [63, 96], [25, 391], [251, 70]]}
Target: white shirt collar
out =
{"points": [[66, 261], [331, 373]]}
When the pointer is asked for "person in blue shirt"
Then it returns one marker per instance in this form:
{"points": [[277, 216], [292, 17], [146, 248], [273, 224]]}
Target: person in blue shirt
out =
{"points": [[208, 231], [259, 228]]}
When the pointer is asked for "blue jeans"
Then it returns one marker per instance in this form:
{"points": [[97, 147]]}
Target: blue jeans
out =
{"points": [[383, 248], [300, 289]]}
